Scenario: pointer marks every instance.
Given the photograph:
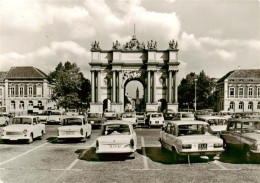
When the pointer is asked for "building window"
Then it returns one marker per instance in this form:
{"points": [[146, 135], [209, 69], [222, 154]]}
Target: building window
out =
{"points": [[231, 92], [241, 80], [250, 105], [231, 105], [30, 103], [21, 89], [0, 103], [258, 91], [39, 91], [250, 91], [251, 80], [1, 93], [21, 105], [12, 91], [13, 105], [241, 105], [231, 80], [30, 90], [258, 105], [39, 103], [241, 92]]}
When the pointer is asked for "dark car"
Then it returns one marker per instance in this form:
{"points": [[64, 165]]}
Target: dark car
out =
{"points": [[169, 114], [243, 135], [96, 119]]}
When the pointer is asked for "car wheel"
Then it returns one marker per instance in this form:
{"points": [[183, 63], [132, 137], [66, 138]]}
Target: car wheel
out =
{"points": [[176, 156], [30, 140], [247, 154], [40, 137], [211, 157]]}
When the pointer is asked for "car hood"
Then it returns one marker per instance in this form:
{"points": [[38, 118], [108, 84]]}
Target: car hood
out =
{"points": [[19, 127], [218, 128], [253, 136], [70, 128], [117, 139], [199, 138]]}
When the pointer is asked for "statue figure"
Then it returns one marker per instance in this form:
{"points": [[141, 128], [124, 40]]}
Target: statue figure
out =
{"points": [[116, 45], [155, 45], [95, 45], [173, 45]]}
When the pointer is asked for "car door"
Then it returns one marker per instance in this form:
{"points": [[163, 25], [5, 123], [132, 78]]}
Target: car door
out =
{"points": [[166, 137], [234, 136], [171, 136]]}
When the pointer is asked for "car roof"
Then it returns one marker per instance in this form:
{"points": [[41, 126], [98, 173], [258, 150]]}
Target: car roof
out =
{"points": [[25, 117], [188, 122], [73, 117], [211, 117], [244, 120], [117, 122]]}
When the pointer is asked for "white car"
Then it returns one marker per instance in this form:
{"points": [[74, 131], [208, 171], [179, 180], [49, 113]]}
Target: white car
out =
{"points": [[116, 137], [217, 123], [55, 116], [72, 112], [156, 119], [74, 127], [185, 116], [23, 128], [131, 117], [110, 114], [190, 138], [4, 120]]}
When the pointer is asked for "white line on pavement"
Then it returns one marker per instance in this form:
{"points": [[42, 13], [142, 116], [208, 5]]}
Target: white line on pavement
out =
{"points": [[225, 169], [2, 163], [220, 165], [146, 167]]}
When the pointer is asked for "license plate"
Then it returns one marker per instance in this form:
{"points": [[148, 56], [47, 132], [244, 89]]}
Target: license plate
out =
{"points": [[202, 146], [13, 139], [115, 146], [92, 122], [69, 133]]}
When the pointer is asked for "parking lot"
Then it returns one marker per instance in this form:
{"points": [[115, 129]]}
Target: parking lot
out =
{"points": [[49, 161]]}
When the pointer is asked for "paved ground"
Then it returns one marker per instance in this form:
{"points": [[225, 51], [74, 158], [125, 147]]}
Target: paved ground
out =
{"points": [[45, 161]]}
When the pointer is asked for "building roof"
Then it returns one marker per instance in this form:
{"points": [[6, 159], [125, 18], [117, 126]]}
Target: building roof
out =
{"points": [[25, 72], [2, 76], [241, 73]]}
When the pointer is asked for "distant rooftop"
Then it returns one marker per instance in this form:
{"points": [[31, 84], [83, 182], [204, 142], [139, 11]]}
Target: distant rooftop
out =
{"points": [[241, 73], [2, 75], [25, 72]]}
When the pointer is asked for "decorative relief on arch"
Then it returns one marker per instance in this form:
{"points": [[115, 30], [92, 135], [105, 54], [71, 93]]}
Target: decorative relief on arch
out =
{"points": [[134, 74], [108, 77]]}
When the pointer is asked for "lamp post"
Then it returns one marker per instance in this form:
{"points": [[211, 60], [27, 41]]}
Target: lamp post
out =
{"points": [[195, 106]]}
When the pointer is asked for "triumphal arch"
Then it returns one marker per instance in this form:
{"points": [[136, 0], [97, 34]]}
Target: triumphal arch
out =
{"points": [[112, 69]]}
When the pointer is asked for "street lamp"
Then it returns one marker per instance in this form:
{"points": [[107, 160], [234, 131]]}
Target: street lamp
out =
{"points": [[195, 106]]}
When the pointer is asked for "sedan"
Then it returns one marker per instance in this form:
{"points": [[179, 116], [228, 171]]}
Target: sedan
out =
{"points": [[117, 137]]}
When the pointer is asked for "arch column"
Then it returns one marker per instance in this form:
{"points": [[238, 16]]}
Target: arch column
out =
{"points": [[120, 91], [149, 87], [154, 87], [175, 87], [170, 87], [99, 86], [114, 87], [92, 86]]}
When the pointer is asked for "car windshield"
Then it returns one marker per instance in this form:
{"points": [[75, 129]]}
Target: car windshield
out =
{"points": [[22, 121], [116, 129], [192, 129], [156, 115], [128, 115], [251, 126], [187, 116], [94, 115], [72, 121], [213, 122], [55, 113]]}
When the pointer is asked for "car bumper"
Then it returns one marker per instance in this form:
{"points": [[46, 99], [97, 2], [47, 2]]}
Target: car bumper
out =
{"points": [[156, 124], [201, 153], [70, 137], [112, 151], [15, 138]]}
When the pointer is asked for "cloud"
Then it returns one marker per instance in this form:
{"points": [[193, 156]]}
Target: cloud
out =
{"points": [[189, 41], [223, 54]]}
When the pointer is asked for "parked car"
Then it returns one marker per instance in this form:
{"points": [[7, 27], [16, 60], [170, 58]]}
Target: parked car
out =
{"points": [[109, 114], [217, 123], [190, 138], [226, 114], [156, 119], [117, 137], [55, 116], [185, 116], [23, 128], [72, 112], [243, 135], [96, 119], [4, 120], [169, 114], [43, 116], [131, 117], [140, 117], [74, 127]]}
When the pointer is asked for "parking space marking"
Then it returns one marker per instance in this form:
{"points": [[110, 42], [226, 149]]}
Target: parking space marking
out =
{"points": [[2, 163], [146, 166]]}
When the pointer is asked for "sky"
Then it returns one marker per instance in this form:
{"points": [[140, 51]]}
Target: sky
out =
{"points": [[216, 36]]}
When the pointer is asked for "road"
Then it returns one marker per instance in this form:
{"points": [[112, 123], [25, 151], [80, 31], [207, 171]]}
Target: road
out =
{"points": [[48, 161]]}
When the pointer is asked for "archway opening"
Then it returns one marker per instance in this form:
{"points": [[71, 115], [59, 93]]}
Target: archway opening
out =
{"points": [[106, 104], [134, 95]]}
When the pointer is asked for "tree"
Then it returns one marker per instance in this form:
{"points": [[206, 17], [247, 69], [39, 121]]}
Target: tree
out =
{"points": [[71, 88], [204, 91]]}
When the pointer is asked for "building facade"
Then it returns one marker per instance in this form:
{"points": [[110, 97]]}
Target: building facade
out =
{"points": [[25, 90], [112, 70], [240, 91]]}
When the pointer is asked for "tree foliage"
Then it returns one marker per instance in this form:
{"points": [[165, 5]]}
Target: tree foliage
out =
{"points": [[205, 96], [71, 88]]}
